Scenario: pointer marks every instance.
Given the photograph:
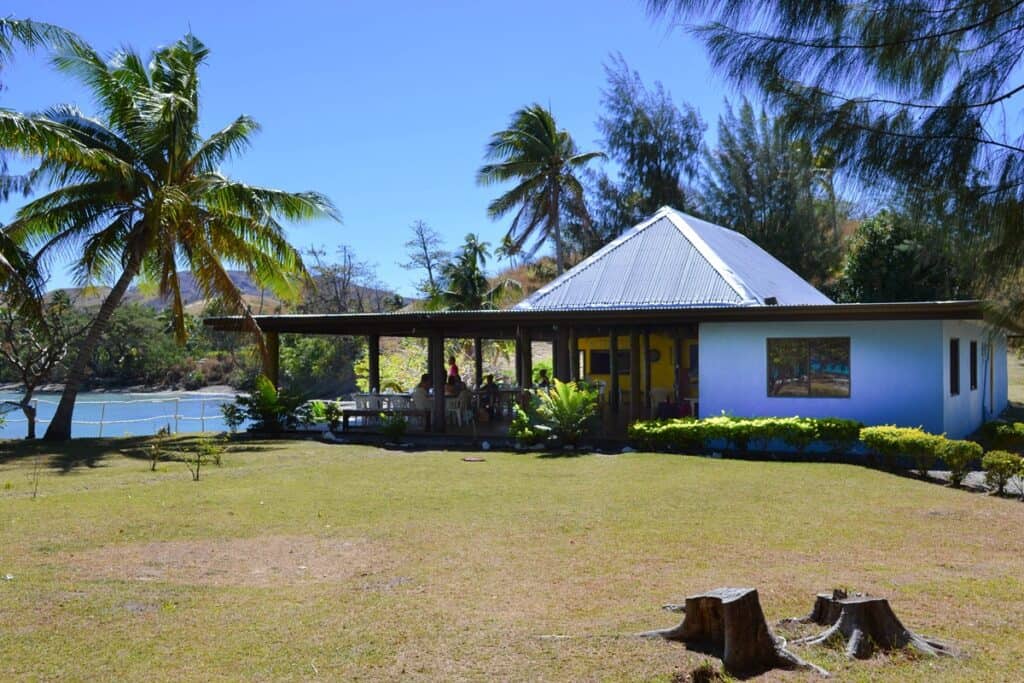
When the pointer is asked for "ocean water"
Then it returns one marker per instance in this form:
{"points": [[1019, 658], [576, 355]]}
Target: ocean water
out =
{"points": [[123, 414]]}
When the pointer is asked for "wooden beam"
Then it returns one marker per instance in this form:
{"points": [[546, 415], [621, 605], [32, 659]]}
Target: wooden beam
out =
{"points": [[613, 369], [478, 362], [634, 375], [273, 369], [373, 360], [437, 377]]}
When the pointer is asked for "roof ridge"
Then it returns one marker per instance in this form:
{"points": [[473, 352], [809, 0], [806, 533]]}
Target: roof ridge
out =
{"points": [[731, 277]]}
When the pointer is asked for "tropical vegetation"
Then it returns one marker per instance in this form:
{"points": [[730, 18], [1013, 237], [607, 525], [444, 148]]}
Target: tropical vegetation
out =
{"points": [[137, 191]]}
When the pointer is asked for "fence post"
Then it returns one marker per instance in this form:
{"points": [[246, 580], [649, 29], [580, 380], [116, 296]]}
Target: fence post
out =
{"points": [[176, 413], [202, 415], [103, 412]]}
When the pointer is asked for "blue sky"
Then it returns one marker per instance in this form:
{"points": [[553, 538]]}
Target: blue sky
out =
{"points": [[385, 108]]}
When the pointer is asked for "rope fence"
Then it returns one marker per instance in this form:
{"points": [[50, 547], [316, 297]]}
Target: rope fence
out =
{"points": [[176, 417]]}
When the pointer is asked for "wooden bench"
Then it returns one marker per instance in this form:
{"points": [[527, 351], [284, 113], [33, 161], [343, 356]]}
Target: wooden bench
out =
{"points": [[347, 415]]}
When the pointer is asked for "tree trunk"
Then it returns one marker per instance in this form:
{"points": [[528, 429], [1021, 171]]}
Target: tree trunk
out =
{"points": [[729, 623], [60, 425], [30, 412], [556, 227], [866, 623]]}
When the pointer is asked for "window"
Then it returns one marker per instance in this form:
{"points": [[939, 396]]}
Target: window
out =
{"points": [[600, 362], [813, 367], [974, 366], [954, 366]]}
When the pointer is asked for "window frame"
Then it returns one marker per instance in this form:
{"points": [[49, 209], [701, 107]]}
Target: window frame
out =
{"points": [[622, 366], [954, 366], [809, 343]]}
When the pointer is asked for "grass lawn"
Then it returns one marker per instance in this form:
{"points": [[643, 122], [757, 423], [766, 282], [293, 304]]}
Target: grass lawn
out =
{"points": [[301, 560]]}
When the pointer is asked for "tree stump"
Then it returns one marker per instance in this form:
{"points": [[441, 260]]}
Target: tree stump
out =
{"points": [[729, 623], [867, 623], [826, 609]]}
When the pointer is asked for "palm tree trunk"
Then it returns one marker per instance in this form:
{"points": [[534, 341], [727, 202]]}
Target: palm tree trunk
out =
{"points": [[60, 425], [556, 228]]}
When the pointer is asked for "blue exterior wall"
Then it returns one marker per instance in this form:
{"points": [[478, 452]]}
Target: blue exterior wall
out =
{"points": [[963, 413], [896, 372]]}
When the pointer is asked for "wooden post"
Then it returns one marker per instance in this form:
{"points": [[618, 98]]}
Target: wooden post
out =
{"points": [[272, 371], [478, 362], [527, 360], [562, 370], [575, 372], [373, 356], [613, 370], [634, 375], [647, 375], [436, 353], [677, 364]]}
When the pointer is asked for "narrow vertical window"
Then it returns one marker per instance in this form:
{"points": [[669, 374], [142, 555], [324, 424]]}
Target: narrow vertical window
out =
{"points": [[974, 365], [954, 367]]}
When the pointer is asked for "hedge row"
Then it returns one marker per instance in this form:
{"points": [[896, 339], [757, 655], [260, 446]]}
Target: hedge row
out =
{"points": [[742, 433], [893, 444]]}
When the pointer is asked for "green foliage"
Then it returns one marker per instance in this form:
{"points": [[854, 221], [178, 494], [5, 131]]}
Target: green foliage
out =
{"points": [[321, 364], [685, 434], [775, 189], [543, 160], [1000, 467], [269, 409], [1007, 436], [312, 412], [393, 426], [958, 456], [400, 369], [892, 442], [655, 145], [464, 286], [233, 415], [567, 411], [203, 451], [889, 258], [332, 413], [524, 427]]}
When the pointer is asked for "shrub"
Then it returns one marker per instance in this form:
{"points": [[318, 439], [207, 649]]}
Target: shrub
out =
{"points": [[313, 412], [839, 434], [958, 456], [332, 414], [891, 442], [567, 410], [524, 427], [1000, 467], [796, 432], [234, 416], [270, 410], [393, 425], [1004, 435]]}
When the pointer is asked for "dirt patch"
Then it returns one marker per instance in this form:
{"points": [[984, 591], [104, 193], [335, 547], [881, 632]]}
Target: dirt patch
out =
{"points": [[261, 561]]}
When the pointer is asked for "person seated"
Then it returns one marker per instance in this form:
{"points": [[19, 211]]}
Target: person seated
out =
{"points": [[490, 396], [542, 379], [421, 394]]}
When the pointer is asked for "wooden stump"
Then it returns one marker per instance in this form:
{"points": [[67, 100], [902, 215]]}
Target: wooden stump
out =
{"points": [[825, 611], [729, 623], [867, 623]]}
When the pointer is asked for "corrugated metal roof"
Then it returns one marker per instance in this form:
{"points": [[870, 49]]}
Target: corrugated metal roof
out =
{"points": [[674, 260]]}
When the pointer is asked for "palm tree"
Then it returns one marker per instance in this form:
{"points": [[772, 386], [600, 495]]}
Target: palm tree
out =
{"points": [[465, 286], [16, 268], [138, 192], [543, 161]]}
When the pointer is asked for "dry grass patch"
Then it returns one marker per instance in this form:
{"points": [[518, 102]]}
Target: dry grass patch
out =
{"points": [[255, 562]]}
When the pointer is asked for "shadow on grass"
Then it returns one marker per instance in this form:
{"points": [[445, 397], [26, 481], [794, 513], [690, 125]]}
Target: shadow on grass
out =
{"points": [[92, 452]]}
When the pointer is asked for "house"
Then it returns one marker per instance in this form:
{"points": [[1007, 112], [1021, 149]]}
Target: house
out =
{"points": [[679, 315]]}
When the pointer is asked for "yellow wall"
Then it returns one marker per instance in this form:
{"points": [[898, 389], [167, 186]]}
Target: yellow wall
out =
{"points": [[662, 371]]}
